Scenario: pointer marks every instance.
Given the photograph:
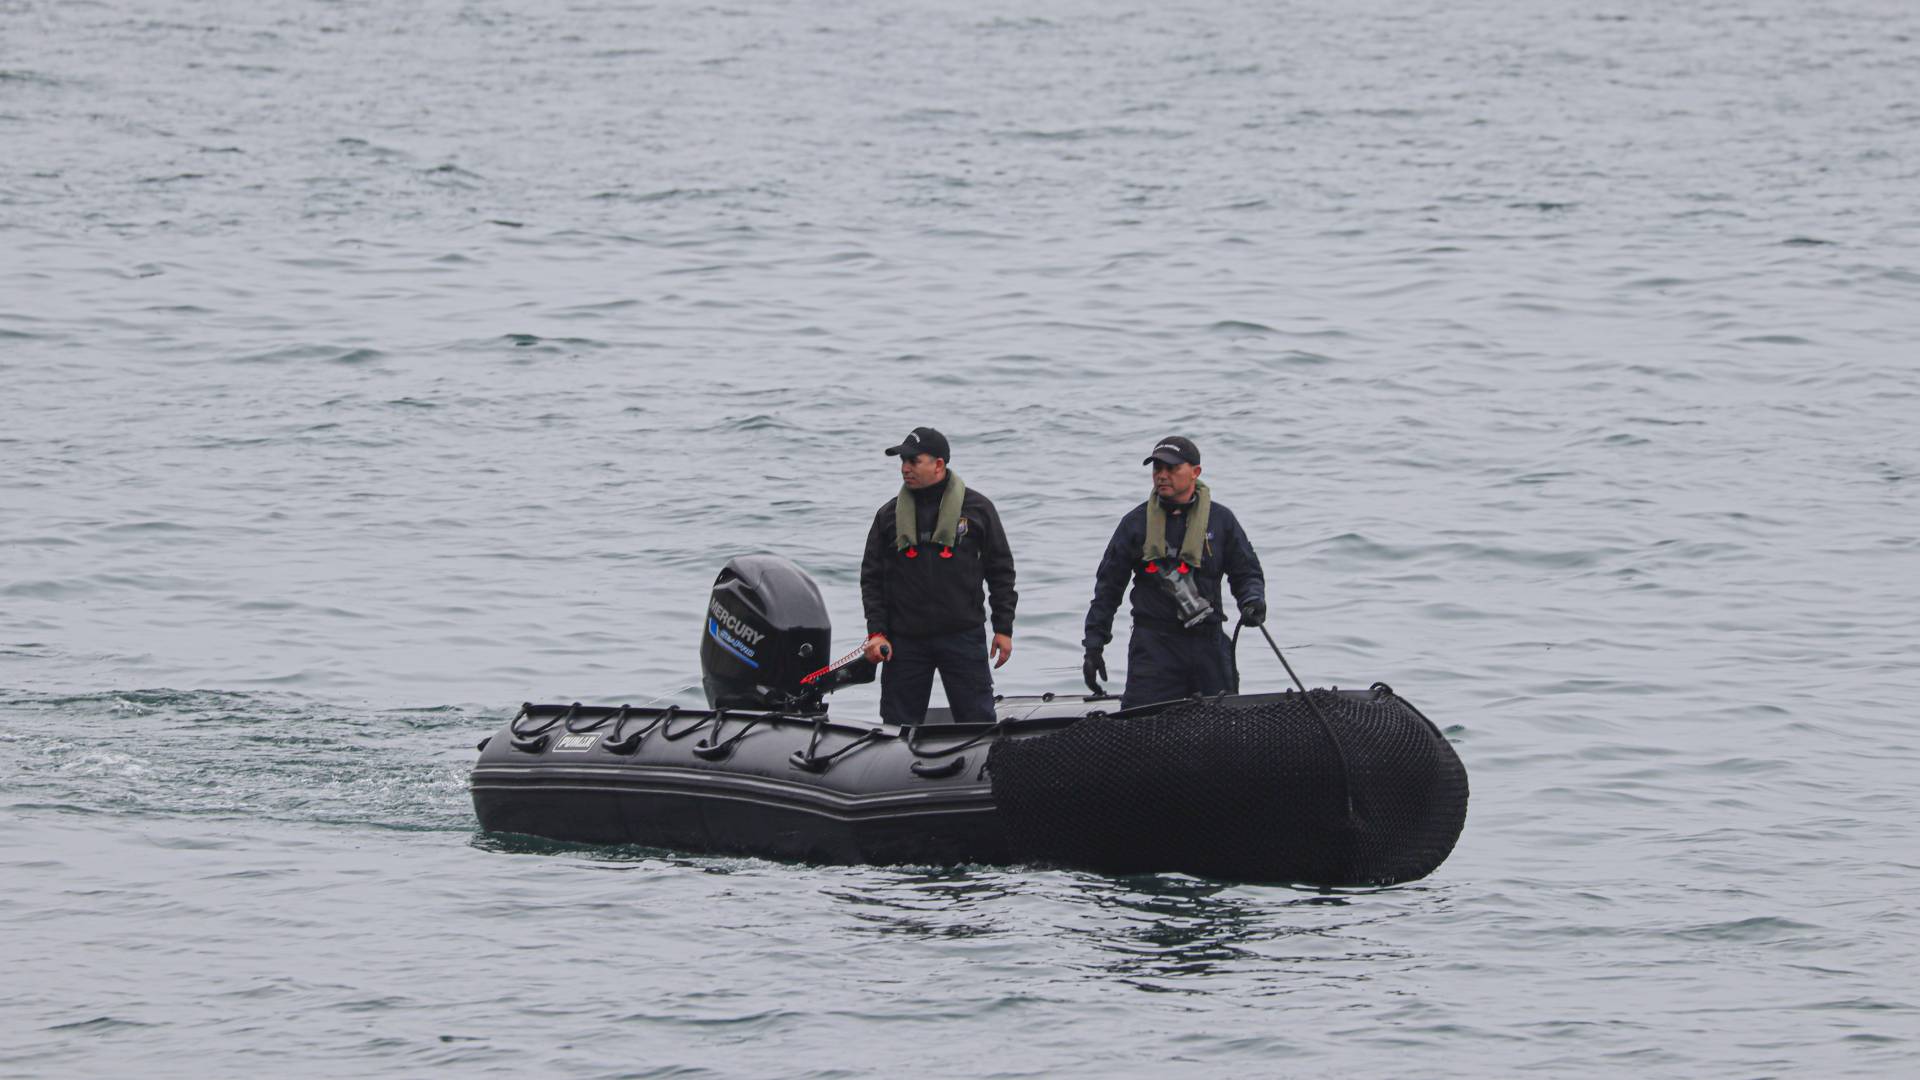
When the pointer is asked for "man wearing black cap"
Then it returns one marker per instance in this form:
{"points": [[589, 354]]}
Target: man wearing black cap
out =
{"points": [[1175, 547], [930, 551]]}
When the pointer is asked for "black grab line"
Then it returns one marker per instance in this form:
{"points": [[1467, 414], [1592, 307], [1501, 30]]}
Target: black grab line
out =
{"points": [[1326, 725]]}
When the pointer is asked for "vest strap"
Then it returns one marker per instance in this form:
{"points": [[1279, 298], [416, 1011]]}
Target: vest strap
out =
{"points": [[1193, 547]]}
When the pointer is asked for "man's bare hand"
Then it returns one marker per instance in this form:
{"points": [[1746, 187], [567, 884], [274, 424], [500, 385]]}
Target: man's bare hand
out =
{"points": [[879, 648], [1002, 650]]}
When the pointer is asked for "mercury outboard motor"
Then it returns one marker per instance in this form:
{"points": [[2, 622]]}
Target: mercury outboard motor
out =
{"points": [[766, 631]]}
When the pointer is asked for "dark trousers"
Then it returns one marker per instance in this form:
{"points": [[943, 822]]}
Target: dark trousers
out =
{"points": [[906, 681], [1167, 665]]}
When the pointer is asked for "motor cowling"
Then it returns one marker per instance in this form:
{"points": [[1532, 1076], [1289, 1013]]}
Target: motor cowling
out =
{"points": [[766, 629]]}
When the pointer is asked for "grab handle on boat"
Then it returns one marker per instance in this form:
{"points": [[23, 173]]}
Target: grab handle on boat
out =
{"points": [[536, 740], [806, 761], [614, 742], [666, 727], [907, 733], [573, 715], [935, 772], [531, 741], [713, 749]]}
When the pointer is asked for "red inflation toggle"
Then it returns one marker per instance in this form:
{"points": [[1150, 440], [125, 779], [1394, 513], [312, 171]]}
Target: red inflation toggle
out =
{"points": [[1183, 568], [1153, 568], [946, 553], [913, 553]]}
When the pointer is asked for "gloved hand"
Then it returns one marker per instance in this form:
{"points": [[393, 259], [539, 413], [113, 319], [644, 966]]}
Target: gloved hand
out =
{"points": [[1093, 669], [1254, 614]]}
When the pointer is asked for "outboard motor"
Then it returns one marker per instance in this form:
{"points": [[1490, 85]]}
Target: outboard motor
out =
{"points": [[767, 630]]}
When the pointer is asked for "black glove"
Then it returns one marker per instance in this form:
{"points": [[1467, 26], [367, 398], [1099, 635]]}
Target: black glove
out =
{"points": [[1254, 614], [1093, 666]]}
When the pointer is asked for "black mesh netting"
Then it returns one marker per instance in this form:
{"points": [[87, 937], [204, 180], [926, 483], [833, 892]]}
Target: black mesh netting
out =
{"points": [[1247, 792]]}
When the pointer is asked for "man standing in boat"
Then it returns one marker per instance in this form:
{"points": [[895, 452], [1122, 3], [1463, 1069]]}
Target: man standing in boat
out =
{"points": [[1175, 548], [930, 552]]}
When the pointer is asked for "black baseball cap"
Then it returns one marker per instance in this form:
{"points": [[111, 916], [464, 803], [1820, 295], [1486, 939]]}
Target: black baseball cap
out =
{"points": [[1173, 450], [923, 440]]}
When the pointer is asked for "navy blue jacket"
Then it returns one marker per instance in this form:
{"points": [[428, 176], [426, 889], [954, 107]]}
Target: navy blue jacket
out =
{"points": [[1228, 552]]}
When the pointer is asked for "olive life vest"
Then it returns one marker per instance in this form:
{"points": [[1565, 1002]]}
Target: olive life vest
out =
{"points": [[946, 526], [1193, 547]]}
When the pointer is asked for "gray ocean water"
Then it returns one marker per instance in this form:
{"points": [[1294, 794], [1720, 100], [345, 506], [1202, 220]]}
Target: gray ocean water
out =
{"points": [[371, 368]]}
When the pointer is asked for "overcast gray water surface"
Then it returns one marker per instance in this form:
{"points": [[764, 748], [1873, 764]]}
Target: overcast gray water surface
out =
{"points": [[371, 368]]}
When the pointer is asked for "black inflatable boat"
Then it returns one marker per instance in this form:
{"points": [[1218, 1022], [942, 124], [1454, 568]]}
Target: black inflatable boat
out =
{"points": [[1324, 787]]}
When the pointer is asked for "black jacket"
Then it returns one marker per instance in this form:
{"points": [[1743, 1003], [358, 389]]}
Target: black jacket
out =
{"points": [[1228, 552], [927, 595]]}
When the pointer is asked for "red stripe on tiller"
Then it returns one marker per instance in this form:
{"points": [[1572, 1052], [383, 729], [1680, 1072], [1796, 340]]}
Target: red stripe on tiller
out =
{"points": [[858, 651]]}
